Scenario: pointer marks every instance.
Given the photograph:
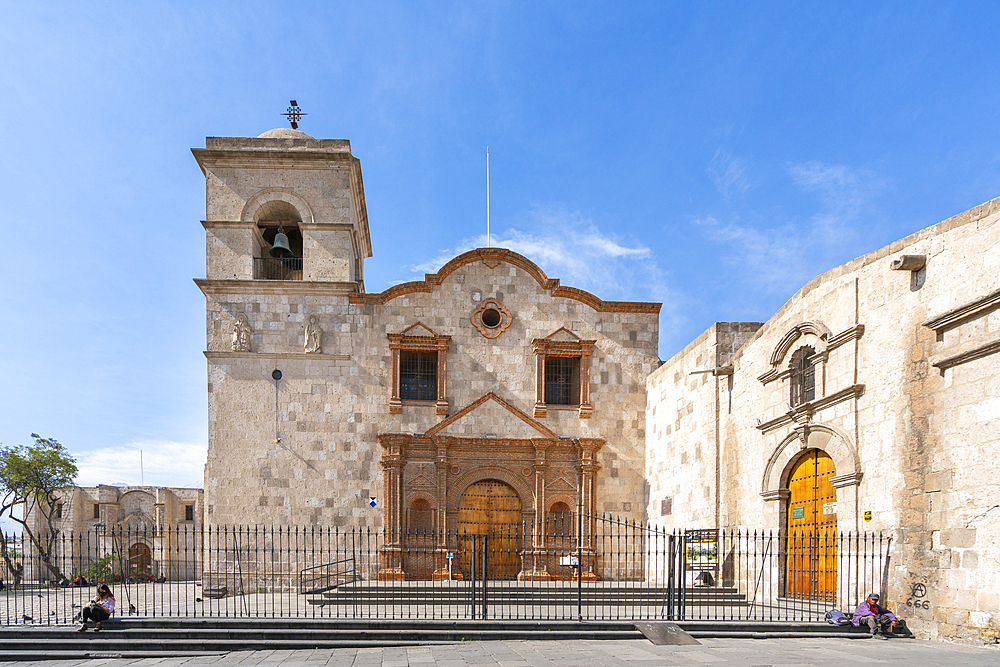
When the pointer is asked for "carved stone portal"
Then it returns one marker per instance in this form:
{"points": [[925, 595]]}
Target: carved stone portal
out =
{"points": [[424, 494]]}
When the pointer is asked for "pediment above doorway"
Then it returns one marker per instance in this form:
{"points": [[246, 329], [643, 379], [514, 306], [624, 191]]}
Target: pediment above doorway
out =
{"points": [[492, 416]]}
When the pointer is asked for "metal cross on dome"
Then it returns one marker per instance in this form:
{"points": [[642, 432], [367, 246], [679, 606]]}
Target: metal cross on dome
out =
{"points": [[294, 114]]}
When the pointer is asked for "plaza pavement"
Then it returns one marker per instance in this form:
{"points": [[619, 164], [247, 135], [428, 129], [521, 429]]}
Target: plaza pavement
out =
{"points": [[623, 653]]}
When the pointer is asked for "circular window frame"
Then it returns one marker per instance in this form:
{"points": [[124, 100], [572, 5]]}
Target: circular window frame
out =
{"points": [[491, 331]]}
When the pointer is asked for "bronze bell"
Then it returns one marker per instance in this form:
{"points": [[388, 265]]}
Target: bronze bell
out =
{"points": [[280, 247]]}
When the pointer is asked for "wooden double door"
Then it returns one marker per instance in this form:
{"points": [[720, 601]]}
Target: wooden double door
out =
{"points": [[811, 529], [489, 524]]}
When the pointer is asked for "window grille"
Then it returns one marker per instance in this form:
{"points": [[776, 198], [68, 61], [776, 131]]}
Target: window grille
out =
{"points": [[562, 380], [803, 379], [418, 376]]}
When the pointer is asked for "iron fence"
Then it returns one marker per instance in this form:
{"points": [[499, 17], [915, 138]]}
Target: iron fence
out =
{"points": [[618, 570]]}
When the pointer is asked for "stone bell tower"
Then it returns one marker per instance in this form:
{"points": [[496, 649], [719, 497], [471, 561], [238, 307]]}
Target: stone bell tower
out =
{"points": [[287, 236], [284, 179]]}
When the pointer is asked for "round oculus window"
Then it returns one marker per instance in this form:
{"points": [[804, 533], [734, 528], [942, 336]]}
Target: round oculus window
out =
{"points": [[491, 318]]}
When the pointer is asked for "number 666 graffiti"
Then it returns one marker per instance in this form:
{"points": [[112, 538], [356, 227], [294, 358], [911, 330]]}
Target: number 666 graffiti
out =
{"points": [[918, 591]]}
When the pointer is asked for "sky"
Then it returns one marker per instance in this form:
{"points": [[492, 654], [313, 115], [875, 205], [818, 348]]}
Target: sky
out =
{"points": [[710, 156]]}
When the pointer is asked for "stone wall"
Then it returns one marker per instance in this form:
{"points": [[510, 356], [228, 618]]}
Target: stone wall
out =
{"points": [[907, 404]]}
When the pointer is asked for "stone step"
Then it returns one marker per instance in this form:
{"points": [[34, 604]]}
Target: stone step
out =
{"points": [[180, 636]]}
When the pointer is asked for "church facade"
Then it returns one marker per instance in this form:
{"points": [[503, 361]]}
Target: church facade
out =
{"points": [[486, 392]]}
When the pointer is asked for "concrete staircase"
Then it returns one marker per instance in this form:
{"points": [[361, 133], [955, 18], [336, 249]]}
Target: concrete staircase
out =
{"points": [[519, 594], [176, 637]]}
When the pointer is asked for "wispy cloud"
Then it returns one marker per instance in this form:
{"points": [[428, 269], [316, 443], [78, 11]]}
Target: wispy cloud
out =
{"points": [[779, 257], [729, 174], [177, 464], [569, 246]]}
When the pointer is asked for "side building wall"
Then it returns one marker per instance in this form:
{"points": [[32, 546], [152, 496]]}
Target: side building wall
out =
{"points": [[907, 405]]}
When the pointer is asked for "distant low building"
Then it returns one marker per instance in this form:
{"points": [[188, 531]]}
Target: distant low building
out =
{"points": [[148, 531]]}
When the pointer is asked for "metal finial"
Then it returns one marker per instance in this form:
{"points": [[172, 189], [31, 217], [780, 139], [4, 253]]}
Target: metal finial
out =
{"points": [[294, 114]]}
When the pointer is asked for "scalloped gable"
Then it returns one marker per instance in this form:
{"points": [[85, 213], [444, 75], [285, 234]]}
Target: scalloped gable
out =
{"points": [[491, 415], [493, 257]]}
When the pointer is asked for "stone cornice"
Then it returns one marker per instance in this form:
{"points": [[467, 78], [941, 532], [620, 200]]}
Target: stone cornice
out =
{"points": [[957, 316], [304, 356], [829, 343], [965, 357], [806, 410], [228, 224], [275, 287], [283, 159], [492, 257]]}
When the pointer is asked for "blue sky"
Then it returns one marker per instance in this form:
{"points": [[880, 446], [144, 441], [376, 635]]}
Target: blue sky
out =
{"points": [[712, 156]]}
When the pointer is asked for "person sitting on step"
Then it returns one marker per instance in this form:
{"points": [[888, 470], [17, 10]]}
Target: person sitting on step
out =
{"points": [[875, 617], [99, 609]]}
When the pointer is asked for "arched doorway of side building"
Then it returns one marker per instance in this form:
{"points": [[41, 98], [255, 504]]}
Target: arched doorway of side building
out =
{"points": [[811, 528], [490, 508], [140, 560]]}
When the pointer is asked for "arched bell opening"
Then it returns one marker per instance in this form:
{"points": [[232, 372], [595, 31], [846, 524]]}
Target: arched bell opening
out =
{"points": [[279, 242]]}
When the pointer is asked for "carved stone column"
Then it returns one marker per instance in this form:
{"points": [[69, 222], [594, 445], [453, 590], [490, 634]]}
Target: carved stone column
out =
{"points": [[393, 462], [587, 468], [395, 404], [441, 464], [534, 566], [540, 409], [586, 409]]}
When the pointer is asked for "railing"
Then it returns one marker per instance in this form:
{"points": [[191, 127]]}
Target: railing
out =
{"points": [[277, 268], [619, 570]]}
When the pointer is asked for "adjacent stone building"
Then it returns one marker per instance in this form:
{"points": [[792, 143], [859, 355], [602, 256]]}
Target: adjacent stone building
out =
{"points": [[485, 393], [869, 402], [147, 530]]}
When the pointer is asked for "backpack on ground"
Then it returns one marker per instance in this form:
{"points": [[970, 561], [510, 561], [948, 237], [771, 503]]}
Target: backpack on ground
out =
{"points": [[837, 617]]}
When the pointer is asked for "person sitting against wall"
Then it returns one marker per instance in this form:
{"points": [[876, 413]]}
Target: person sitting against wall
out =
{"points": [[99, 609], [876, 617]]}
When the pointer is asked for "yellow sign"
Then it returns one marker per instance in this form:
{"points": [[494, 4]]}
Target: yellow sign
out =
{"points": [[868, 515]]}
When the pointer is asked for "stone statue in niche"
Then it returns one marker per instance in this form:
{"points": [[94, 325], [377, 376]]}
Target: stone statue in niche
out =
{"points": [[241, 334], [314, 336]]}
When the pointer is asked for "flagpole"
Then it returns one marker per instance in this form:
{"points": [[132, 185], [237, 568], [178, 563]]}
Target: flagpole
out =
{"points": [[488, 243]]}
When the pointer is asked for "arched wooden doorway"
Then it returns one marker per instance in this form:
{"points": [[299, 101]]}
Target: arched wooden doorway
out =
{"points": [[811, 528], [491, 508], [140, 559]]}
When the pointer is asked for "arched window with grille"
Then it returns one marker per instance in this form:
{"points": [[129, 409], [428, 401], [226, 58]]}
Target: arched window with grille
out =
{"points": [[803, 378]]}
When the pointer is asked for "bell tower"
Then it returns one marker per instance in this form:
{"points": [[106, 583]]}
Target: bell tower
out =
{"points": [[286, 239], [284, 185]]}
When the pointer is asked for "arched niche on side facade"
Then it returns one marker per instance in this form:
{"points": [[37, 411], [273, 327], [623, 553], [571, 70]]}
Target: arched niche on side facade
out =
{"points": [[829, 439]]}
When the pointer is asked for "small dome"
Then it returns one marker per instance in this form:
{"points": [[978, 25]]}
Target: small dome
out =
{"points": [[284, 133]]}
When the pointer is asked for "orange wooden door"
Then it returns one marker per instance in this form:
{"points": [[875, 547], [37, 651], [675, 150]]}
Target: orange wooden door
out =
{"points": [[811, 529], [491, 508]]}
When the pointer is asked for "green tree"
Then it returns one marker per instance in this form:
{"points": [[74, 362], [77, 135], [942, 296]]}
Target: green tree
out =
{"points": [[30, 479]]}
